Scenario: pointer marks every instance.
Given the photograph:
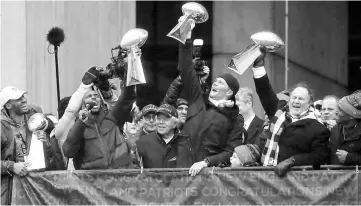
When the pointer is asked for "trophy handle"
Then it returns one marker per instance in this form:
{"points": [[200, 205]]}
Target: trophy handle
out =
{"points": [[180, 31], [243, 60]]}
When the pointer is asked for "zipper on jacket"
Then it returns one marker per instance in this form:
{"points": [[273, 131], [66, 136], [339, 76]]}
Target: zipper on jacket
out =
{"points": [[102, 144]]}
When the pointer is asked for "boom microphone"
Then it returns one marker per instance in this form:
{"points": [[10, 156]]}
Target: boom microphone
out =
{"points": [[56, 36]]}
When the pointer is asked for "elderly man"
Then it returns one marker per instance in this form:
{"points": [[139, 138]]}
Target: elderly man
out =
{"points": [[96, 140], [295, 137], [210, 121], [329, 110], [16, 138], [166, 148], [252, 123], [345, 141]]}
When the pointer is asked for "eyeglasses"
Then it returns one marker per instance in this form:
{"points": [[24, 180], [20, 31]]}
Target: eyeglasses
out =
{"points": [[149, 117]]}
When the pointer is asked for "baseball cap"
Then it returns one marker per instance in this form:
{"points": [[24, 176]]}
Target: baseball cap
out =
{"points": [[149, 108], [181, 101], [10, 93], [168, 110]]}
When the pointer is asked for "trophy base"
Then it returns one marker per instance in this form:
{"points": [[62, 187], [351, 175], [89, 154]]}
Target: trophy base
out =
{"points": [[36, 156]]}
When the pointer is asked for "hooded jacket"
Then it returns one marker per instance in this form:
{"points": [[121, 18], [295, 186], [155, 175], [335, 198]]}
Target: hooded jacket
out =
{"points": [[8, 151], [101, 144]]}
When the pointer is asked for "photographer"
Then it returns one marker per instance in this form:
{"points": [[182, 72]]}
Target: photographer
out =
{"points": [[96, 140], [211, 121]]}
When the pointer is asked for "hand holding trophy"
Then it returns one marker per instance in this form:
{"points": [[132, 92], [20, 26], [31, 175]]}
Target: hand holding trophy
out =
{"points": [[132, 41], [190, 10], [245, 58]]}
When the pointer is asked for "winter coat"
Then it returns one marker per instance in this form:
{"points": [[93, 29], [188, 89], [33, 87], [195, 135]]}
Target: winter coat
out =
{"points": [[306, 140], [209, 127], [156, 153], [52, 153], [351, 144], [101, 144]]}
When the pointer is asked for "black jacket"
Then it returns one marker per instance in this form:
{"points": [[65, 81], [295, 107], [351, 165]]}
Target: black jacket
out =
{"points": [[211, 129], [351, 144], [101, 144], [155, 153], [306, 140], [254, 130]]}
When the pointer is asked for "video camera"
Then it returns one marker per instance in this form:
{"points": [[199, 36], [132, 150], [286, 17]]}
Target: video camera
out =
{"points": [[117, 68], [197, 53]]}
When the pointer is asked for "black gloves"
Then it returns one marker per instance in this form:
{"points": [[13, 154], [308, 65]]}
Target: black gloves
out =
{"points": [[90, 76], [260, 60], [282, 167]]}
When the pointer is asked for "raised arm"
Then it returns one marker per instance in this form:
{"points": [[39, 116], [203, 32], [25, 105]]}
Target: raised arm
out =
{"points": [[266, 94], [71, 110], [191, 84], [264, 89], [123, 106], [173, 92]]}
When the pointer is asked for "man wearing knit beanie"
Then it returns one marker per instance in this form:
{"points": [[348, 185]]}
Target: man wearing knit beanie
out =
{"points": [[212, 123], [224, 86], [345, 140]]}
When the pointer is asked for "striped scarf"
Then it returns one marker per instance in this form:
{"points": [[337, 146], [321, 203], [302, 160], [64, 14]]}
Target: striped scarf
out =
{"points": [[281, 119]]}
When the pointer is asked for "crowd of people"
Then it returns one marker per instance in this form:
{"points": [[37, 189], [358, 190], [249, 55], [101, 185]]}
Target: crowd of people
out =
{"points": [[196, 126]]}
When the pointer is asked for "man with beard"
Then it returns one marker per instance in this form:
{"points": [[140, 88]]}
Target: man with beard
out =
{"points": [[167, 147], [16, 138], [295, 137], [345, 140], [329, 110], [96, 140], [211, 120], [148, 119]]}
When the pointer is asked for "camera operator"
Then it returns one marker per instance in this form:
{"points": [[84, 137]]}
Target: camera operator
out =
{"points": [[96, 140]]}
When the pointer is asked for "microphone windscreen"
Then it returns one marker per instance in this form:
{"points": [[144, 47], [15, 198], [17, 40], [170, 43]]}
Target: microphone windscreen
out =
{"points": [[56, 36]]}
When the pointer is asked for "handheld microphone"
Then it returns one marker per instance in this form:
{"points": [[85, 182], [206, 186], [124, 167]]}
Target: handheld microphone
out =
{"points": [[88, 106]]}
